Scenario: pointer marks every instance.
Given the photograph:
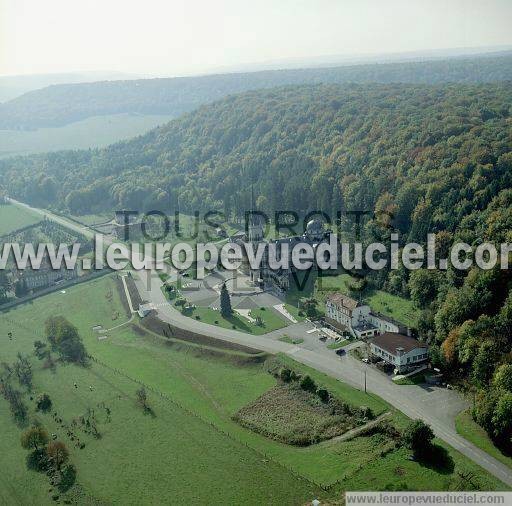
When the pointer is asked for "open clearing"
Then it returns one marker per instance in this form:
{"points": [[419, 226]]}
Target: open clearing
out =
{"points": [[79, 135], [192, 449], [139, 459]]}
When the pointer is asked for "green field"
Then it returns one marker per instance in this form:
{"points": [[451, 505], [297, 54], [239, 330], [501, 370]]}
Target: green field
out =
{"points": [[177, 453], [270, 320], [469, 429], [92, 132], [14, 217], [93, 219], [191, 449]]}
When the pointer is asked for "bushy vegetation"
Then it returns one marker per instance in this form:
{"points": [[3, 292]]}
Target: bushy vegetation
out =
{"points": [[352, 146], [294, 414], [299, 412], [64, 338]]}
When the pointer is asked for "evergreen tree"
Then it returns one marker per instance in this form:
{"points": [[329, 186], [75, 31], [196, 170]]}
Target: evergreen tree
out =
{"points": [[225, 302], [20, 289]]}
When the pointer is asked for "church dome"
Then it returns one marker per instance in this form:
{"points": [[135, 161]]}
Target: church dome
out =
{"points": [[315, 229]]}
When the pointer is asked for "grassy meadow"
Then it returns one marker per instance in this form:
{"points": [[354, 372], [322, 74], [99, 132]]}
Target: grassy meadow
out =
{"points": [[14, 217], [139, 459], [92, 132], [192, 448]]}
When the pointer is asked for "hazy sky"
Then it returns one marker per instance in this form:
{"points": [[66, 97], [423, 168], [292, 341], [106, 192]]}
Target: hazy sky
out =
{"points": [[172, 37]]}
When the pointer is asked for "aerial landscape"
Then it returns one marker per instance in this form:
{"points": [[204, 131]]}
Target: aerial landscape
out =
{"points": [[257, 254]]}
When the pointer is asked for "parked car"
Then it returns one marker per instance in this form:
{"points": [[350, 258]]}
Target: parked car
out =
{"points": [[341, 352]]}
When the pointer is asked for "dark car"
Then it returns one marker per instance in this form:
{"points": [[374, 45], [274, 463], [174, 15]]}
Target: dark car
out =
{"points": [[341, 352]]}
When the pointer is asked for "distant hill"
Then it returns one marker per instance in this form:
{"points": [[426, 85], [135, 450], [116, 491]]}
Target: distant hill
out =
{"points": [[14, 86], [61, 104]]}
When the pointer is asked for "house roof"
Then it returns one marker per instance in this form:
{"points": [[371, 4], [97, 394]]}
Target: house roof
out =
{"points": [[339, 299], [387, 318], [390, 341]]}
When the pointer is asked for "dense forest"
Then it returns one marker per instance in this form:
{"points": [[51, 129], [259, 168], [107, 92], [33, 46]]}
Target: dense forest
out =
{"points": [[64, 103], [436, 157]]}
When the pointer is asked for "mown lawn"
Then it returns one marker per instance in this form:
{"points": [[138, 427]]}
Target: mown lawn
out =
{"points": [[415, 379], [335, 345], [470, 430], [294, 311], [14, 217], [290, 340], [270, 320], [180, 453]]}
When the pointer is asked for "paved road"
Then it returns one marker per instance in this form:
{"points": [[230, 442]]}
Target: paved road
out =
{"points": [[436, 406]]}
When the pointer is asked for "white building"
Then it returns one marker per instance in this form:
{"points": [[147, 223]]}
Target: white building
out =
{"points": [[401, 351], [346, 310], [386, 324], [358, 318]]}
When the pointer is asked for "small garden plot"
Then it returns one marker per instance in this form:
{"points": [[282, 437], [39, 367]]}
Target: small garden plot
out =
{"points": [[292, 415]]}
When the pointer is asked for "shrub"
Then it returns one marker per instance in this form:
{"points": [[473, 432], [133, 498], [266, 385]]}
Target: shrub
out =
{"points": [[366, 412], [285, 375], [34, 438], [37, 460], [64, 338], [44, 403], [308, 384], [418, 437], [323, 394], [67, 478], [58, 454]]}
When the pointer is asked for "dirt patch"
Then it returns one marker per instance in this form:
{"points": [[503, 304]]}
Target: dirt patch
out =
{"points": [[288, 414], [154, 324], [120, 290], [134, 293]]}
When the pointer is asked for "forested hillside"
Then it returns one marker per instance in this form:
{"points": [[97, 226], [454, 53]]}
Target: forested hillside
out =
{"points": [[61, 104], [437, 157], [438, 151]]}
